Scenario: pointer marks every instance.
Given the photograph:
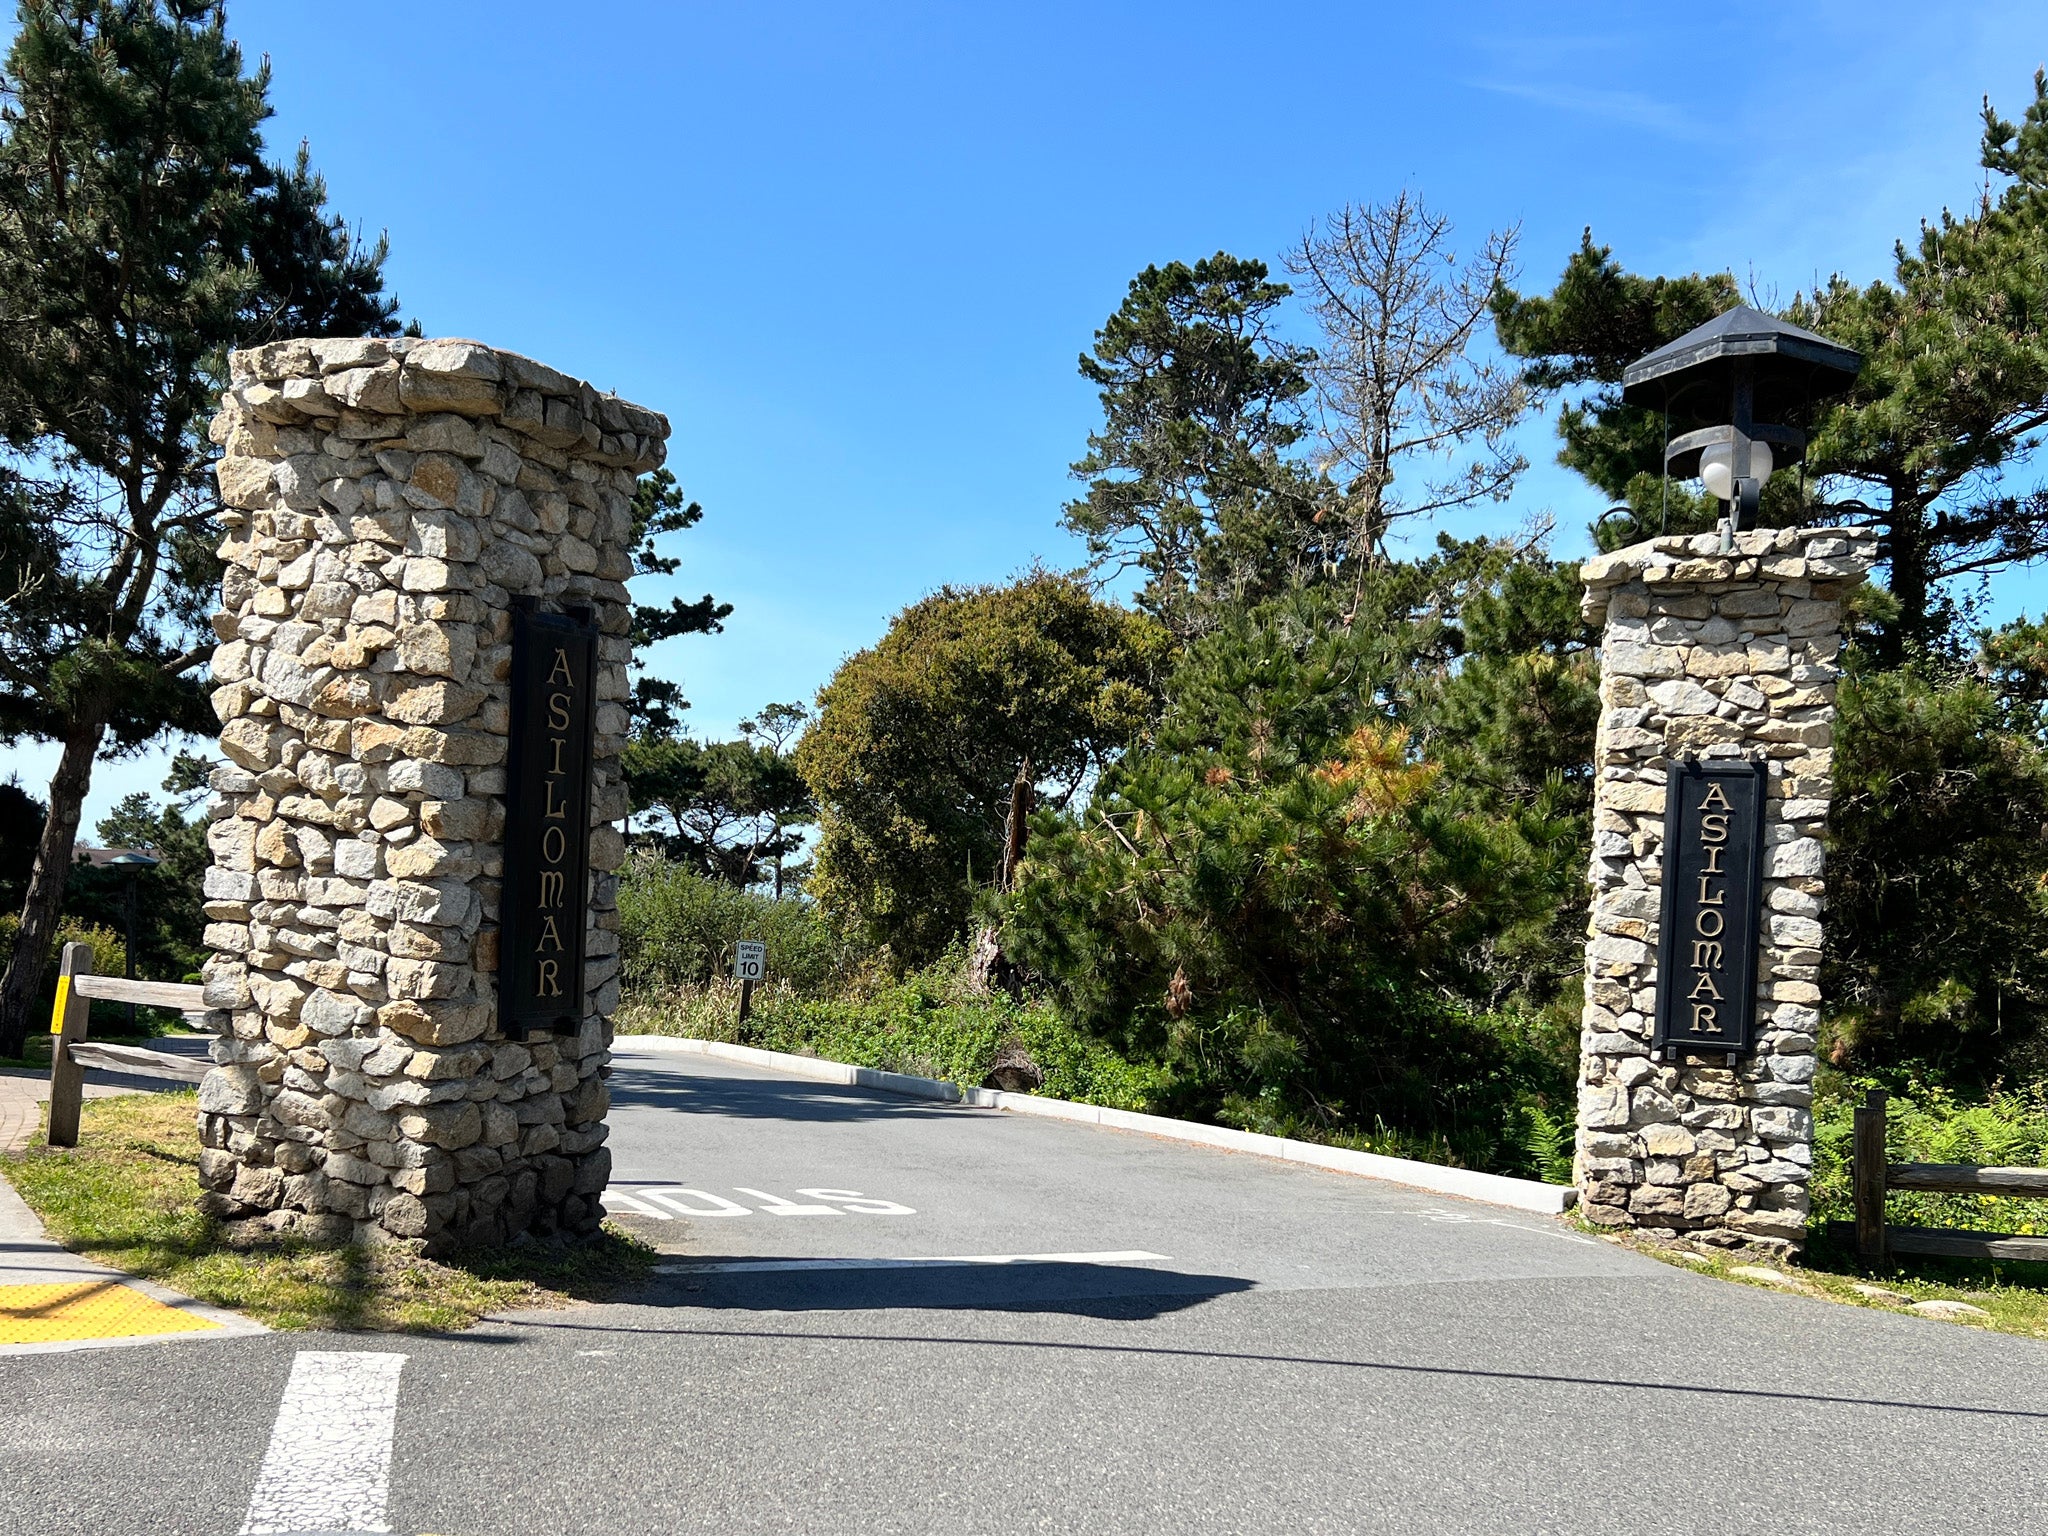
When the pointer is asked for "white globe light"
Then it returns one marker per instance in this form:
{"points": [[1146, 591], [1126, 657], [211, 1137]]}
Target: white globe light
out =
{"points": [[1717, 467]]}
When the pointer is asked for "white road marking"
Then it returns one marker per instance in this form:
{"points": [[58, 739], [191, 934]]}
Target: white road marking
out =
{"points": [[859, 1204], [619, 1200], [775, 1205], [328, 1467], [667, 1203], [714, 1205], [761, 1266]]}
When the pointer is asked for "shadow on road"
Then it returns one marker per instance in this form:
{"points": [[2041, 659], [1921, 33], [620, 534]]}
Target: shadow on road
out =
{"points": [[1448, 1373], [1112, 1291], [738, 1098]]}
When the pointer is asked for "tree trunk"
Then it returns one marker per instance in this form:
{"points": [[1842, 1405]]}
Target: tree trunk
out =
{"points": [[1905, 553], [987, 967], [46, 885], [1016, 828]]}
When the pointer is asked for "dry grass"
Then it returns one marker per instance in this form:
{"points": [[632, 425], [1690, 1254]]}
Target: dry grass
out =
{"points": [[128, 1195]]}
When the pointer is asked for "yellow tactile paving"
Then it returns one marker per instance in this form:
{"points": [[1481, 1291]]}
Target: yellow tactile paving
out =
{"points": [[87, 1309]]}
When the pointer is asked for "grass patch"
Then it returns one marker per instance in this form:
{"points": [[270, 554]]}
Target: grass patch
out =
{"points": [[2013, 1296], [128, 1196]]}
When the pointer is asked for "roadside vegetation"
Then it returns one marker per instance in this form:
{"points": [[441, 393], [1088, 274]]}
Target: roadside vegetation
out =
{"points": [[1928, 1123], [1297, 835], [128, 1195], [1276, 814], [926, 1024], [838, 1005]]}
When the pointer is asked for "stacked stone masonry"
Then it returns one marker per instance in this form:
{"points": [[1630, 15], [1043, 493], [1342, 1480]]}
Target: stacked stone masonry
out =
{"points": [[386, 502], [1709, 654]]}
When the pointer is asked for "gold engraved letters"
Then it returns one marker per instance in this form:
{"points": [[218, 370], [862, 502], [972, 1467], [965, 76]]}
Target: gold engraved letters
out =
{"points": [[1706, 958], [547, 823]]}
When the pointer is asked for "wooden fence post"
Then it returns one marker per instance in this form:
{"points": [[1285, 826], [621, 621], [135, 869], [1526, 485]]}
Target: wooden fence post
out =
{"points": [[1867, 1171], [68, 1023]]}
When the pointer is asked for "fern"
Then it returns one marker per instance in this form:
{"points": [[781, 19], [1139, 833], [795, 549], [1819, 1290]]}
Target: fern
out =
{"points": [[1547, 1143]]}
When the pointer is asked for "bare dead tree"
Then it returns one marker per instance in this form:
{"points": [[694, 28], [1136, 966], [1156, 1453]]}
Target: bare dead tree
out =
{"points": [[1398, 387]]}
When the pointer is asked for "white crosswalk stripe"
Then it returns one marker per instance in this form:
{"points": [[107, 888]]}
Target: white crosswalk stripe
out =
{"points": [[328, 1467]]}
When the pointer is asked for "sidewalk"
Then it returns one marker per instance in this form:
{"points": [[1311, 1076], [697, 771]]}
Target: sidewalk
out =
{"points": [[53, 1299], [22, 1093]]}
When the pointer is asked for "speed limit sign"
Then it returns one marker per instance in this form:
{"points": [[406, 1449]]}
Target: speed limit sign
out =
{"points": [[749, 960]]}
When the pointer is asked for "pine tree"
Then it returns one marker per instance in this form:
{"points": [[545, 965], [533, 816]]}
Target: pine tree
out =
{"points": [[1281, 897], [142, 235], [1187, 478], [1939, 428], [660, 509]]}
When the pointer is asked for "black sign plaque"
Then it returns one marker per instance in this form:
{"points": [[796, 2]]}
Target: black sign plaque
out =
{"points": [[1713, 899], [544, 902]]}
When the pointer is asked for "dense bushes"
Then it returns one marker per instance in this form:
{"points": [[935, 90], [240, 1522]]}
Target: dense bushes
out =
{"points": [[925, 1024], [109, 955], [1927, 1123], [1937, 938], [677, 927], [677, 930], [1284, 902]]}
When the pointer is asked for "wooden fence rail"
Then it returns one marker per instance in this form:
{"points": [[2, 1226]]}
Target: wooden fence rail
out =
{"points": [[1873, 1175], [71, 1053]]}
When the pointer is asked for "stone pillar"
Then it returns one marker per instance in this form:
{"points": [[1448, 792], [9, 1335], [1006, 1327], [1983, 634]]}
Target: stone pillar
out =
{"points": [[1709, 655], [387, 503]]}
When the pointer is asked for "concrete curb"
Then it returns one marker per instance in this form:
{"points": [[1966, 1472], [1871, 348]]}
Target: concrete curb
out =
{"points": [[1493, 1188], [30, 1256]]}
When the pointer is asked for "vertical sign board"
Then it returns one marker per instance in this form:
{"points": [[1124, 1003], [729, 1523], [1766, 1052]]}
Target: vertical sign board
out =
{"points": [[1713, 898], [544, 905]]}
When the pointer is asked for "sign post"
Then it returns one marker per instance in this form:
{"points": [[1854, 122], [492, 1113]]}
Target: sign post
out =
{"points": [[749, 965], [1704, 940]]}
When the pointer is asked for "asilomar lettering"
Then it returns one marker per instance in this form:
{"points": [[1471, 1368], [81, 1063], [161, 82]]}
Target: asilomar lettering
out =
{"points": [[1709, 919], [1706, 953], [547, 831], [554, 839]]}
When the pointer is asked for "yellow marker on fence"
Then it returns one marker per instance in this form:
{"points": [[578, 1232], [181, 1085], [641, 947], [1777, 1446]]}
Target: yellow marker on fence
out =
{"points": [[63, 1000]]}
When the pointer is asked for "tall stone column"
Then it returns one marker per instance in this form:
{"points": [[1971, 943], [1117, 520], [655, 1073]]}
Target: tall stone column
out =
{"points": [[392, 505], [1718, 674]]}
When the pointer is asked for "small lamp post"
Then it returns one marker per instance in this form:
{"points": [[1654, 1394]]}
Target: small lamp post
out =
{"points": [[131, 862], [1730, 388]]}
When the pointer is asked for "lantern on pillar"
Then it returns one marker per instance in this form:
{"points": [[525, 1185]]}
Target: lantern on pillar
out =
{"points": [[1731, 389]]}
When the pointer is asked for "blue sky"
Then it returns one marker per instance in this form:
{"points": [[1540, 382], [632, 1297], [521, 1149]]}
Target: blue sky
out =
{"points": [[852, 251]]}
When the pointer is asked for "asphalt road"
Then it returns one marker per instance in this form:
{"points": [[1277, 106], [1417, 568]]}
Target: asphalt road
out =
{"points": [[1222, 1344]]}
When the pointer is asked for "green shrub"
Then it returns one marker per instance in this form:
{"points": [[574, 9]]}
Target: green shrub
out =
{"points": [[927, 1025], [1937, 933], [1282, 897], [677, 927], [1547, 1143], [109, 954], [1925, 1123]]}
